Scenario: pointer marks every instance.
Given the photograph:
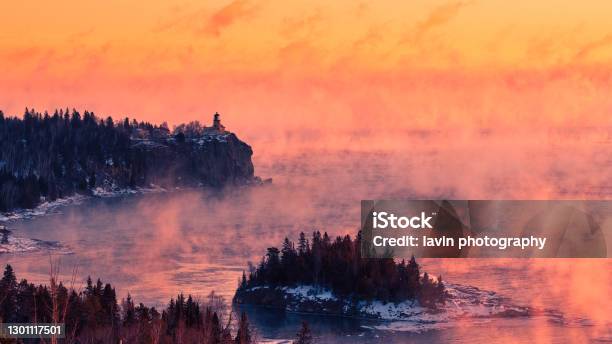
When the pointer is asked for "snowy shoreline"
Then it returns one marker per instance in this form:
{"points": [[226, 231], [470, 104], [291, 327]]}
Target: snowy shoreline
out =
{"points": [[463, 302], [12, 244], [51, 207], [47, 207]]}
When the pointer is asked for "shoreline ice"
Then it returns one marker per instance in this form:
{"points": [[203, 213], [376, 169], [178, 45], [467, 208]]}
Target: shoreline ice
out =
{"points": [[464, 302], [52, 207], [19, 245]]}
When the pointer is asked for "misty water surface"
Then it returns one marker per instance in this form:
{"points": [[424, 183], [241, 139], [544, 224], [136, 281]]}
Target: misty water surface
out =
{"points": [[195, 241]]}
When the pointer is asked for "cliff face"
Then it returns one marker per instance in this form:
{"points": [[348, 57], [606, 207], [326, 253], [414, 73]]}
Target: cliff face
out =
{"points": [[211, 160], [45, 157]]}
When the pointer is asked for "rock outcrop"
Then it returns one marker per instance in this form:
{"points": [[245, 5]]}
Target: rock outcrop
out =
{"points": [[44, 158], [463, 301], [211, 160]]}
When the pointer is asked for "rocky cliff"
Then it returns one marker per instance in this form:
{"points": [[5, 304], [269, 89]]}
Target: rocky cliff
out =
{"points": [[211, 160], [44, 158]]}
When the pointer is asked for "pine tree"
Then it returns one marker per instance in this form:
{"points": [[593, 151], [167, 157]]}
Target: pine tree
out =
{"points": [[302, 244], [129, 312], [109, 305], [287, 250], [89, 288], [243, 336], [304, 336], [8, 295], [215, 329], [243, 281]]}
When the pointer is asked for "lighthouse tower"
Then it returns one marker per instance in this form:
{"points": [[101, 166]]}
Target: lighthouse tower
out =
{"points": [[217, 123]]}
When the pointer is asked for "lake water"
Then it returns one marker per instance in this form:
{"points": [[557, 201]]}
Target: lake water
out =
{"points": [[195, 241]]}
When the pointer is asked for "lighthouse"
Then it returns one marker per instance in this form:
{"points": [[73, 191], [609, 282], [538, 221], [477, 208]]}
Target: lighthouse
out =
{"points": [[217, 123]]}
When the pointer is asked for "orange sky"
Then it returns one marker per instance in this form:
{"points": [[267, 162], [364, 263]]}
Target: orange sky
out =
{"points": [[292, 69], [278, 64]]}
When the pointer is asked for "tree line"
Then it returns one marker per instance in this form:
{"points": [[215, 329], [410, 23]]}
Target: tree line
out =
{"points": [[338, 265], [49, 156], [93, 315]]}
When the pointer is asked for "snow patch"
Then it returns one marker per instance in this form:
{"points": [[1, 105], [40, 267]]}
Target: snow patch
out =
{"points": [[51, 207], [463, 302], [311, 293], [44, 208], [14, 244], [209, 137]]}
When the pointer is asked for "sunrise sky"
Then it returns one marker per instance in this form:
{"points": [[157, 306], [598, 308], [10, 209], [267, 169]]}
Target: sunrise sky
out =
{"points": [[341, 74], [308, 64]]}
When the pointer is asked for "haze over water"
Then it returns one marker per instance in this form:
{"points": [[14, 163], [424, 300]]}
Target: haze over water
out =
{"points": [[341, 101], [195, 241]]}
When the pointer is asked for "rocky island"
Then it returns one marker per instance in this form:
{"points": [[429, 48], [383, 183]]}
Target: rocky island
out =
{"points": [[45, 157], [330, 277]]}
